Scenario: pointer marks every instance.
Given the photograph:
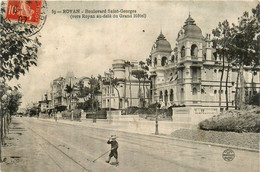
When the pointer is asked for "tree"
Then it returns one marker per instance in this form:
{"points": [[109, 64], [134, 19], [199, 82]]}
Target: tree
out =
{"points": [[115, 84], [18, 51], [255, 47], [83, 91], [221, 41], [129, 67], [13, 102], [93, 90], [139, 74], [100, 80], [69, 90], [10, 101], [145, 76], [245, 43]]}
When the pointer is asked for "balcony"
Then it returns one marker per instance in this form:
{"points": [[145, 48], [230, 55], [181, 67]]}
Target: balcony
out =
{"points": [[194, 57], [196, 80]]}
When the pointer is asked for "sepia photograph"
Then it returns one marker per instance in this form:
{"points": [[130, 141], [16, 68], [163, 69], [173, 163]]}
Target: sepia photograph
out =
{"points": [[130, 86]]}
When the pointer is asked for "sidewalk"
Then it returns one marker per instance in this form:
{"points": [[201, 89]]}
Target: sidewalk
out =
{"points": [[139, 127]]}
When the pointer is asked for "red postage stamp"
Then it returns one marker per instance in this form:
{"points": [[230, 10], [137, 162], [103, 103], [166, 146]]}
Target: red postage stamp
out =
{"points": [[24, 11]]}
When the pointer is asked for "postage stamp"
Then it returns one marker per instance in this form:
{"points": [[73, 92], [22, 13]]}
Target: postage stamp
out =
{"points": [[24, 11]]}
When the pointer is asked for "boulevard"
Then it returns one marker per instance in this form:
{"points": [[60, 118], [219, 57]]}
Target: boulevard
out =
{"points": [[44, 145]]}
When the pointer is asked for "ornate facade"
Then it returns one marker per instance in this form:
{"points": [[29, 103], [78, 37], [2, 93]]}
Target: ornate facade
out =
{"points": [[130, 91], [189, 74]]}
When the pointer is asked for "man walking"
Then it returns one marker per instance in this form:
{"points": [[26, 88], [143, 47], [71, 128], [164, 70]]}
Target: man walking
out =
{"points": [[114, 147]]}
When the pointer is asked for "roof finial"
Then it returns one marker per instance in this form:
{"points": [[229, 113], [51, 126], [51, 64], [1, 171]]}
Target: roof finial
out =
{"points": [[189, 8]]}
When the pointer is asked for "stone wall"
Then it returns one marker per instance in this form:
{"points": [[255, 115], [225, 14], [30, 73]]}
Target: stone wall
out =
{"points": [[193, 115]]}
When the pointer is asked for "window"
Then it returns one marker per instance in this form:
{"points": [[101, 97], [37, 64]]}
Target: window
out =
{"points": [[221, 91], [194, 50], [173, 58], [161, 96], [164, 61], [171, 95], [182, 51], [202, 91], [194, 91], [215, 56], [215, 91], [155, 61]]}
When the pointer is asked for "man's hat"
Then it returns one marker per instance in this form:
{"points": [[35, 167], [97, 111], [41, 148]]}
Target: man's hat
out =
{"points": [[113, 137]]}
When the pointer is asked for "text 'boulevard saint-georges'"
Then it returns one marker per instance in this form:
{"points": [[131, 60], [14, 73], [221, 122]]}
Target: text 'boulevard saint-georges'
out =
{"points": [[103, 13]]}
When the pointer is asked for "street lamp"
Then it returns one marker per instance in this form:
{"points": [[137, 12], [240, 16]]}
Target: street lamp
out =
{"points": [[156, 119], [109, 76]]}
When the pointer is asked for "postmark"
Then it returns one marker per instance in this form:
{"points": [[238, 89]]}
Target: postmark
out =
{"points": [[28, 12], [228, 155]]}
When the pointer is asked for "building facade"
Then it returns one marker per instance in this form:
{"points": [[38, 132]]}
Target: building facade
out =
{"points": [[60, 98], [45, 104], [189, 74], [130, 91]]}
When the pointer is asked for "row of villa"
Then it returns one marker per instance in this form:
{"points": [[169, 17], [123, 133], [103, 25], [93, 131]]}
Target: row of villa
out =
{"points": [[187, 74]]}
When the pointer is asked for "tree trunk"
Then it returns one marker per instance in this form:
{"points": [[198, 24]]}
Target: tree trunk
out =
{"points": [[144, 92], [124, 93], [1, 134], [252, 86], [92, 102], [139, 91], [227, 87], [101, 103], [221, 79], [130, 89], [118, 97], [2, 127], [242, 91], [236, 93]]}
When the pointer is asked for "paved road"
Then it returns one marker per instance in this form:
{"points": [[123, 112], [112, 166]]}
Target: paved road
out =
{"points": [[51, 146]]}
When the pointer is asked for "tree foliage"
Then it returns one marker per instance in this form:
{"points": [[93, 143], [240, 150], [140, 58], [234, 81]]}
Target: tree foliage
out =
{"points": [[93, 90], [83, 91], [129, 66], [18, 50]]}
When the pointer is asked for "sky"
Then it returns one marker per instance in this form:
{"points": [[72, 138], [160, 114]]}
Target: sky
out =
{"points": [[88, 46]]}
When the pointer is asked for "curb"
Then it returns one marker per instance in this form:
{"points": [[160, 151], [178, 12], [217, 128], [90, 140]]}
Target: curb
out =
{"points": [[167, 137]]}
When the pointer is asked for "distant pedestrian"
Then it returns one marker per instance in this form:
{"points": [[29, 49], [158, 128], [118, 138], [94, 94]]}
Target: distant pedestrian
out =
{"points": [[114, 147], [55, 115]]}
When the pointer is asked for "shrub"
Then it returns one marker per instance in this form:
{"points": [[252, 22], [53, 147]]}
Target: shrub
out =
{"points": [[255, 100], [247, 120]]}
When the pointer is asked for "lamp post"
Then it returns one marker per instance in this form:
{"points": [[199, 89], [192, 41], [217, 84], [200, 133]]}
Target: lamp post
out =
{"points": [[156, 119], [110, 93], [109, 75]]}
